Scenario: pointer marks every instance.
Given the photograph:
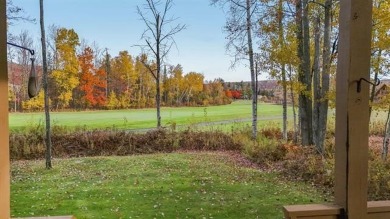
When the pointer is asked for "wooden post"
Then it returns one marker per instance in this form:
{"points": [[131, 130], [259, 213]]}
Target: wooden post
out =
{"points": [[4, 147], [352, 119], [352, 107]]}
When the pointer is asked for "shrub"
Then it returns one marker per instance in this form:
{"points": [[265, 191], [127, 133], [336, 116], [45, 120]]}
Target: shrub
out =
{"points": [[207, 140], [264, 150], [272, 132], [304, 163], [106, 143], [377, 128], [29, 144], [379, 180], [378, 173]]}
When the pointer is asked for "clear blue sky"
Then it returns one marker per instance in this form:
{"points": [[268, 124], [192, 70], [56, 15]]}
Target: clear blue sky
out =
{"points": [[114, 24]]}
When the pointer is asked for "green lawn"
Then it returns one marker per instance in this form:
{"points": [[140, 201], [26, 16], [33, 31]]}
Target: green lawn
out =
{"points": [[181, 185], [146, 118]]}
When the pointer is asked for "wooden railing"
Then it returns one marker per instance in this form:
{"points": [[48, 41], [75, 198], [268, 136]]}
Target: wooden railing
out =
{"points": [[375, 210]]}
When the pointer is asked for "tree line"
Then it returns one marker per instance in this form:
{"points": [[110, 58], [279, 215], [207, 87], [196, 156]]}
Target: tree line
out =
{"points": [[84, 76]]}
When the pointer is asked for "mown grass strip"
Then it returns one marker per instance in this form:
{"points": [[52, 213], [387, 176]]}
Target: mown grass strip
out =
{"points": [[144, 118]]}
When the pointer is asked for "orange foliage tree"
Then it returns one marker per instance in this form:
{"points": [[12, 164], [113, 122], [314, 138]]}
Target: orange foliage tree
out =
{"points": [[92, 81]]}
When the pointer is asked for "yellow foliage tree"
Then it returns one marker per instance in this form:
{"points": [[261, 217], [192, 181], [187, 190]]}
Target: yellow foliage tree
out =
{"points": [[112, 102], [35, 104], [145, 84], [123, 70], [193, 84], [66, 77], [380, 46]]}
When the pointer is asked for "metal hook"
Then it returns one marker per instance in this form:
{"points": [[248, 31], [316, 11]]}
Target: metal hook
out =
{"points": [[359, 83], [32, 52]]}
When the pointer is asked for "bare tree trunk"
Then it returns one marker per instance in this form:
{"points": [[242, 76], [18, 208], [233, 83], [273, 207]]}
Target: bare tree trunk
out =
{"points": [[108, 73], [295, 138], [304, 76], [299, 33], [284, 82], [308, 78], [12, 77], [158, 60], [163, 41], [299, 121], [326, 62], [284, 85], [386, 136], [14, 89], [251, 64], [45, 88], [317, 86], [376, 74], [158, 103]]}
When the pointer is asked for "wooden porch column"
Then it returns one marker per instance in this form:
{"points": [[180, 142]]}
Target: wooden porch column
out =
{"points": [[4, 147], [352, 107], [351, 174]]}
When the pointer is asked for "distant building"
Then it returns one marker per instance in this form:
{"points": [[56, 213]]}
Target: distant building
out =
{"points": [[269, 91], [382, 90]]}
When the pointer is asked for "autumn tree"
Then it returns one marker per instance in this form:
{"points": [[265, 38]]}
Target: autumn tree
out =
{"points": [[274, 56], [145, 84], [35, 104], [100, 87], [168, 83], [66, 76], [174, 85], [112, 101], [123, 77], [88, 80], [159, 39], [309, 66], [239, 28], [193, 85], [214, 93], [180, 88], [380, 47]]}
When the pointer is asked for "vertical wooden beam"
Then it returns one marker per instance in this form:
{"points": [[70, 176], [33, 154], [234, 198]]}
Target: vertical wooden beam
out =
{"points": [[4, 147], [352, 107]]}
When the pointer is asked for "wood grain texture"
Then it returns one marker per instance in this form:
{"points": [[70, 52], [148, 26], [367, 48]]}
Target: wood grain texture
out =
{"points": [[4, 147]]}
